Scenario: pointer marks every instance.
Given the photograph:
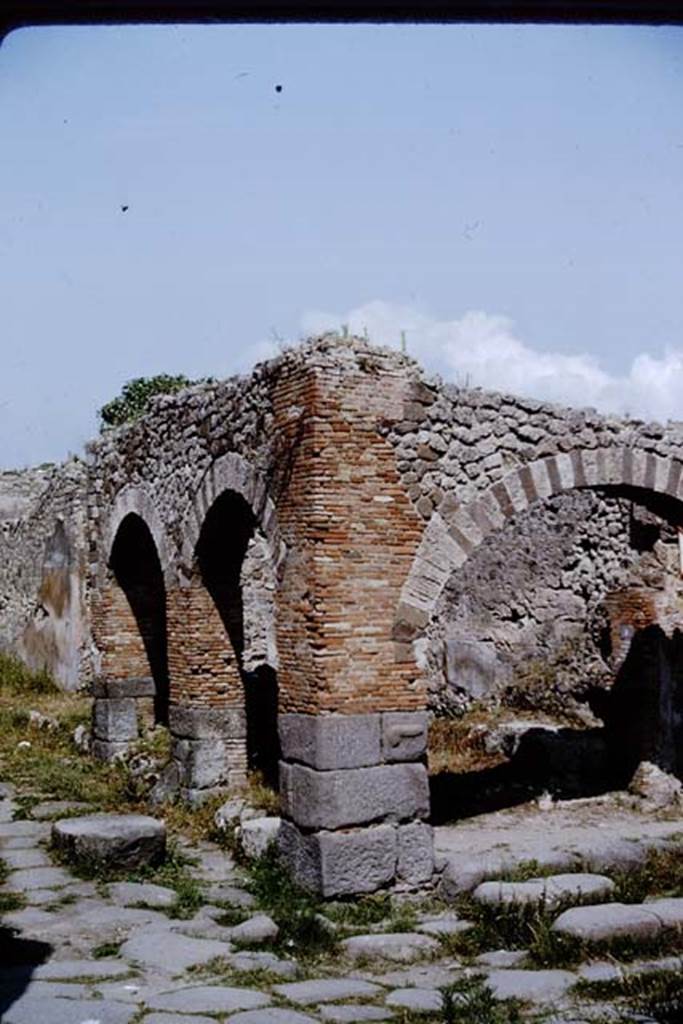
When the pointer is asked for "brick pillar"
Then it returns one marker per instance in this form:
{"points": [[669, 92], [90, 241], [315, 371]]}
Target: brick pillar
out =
{"points": [[352, 721], [206, 716], [124, 680]]}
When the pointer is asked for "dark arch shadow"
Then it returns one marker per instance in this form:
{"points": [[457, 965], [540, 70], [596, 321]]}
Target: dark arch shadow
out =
{"points": [[643, 713], [135, 563], [227, 529], [18, 961]]}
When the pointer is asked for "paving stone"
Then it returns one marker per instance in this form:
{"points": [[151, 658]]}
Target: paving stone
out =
{"points": [[127, 840], [432, 975], [20, 842], [668, 910], [531, 986], [501, 958], [402, 947], [222, 892], [204, 928], [213, 866], [209, 999], [42, 897], [35, 829], [7, 790], [418, 1000], [129, 893], [257, 834], [608, 970], [57, 808], [443, 924], [552, 890], [257, 929], [38, 878], [62, 970], [176, 1018], [138, 988], [259, 961], [326, 990], [171, 952], [353, 1014], [56, 990], [29, 857], [271, 1015], [608, 921], [35, 1010]]}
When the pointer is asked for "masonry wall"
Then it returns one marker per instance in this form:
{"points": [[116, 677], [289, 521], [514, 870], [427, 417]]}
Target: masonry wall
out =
{"points": [[43, 602], [528, 621]]}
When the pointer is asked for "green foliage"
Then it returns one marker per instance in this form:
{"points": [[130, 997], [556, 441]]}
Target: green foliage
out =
{"points": [[136, 394], [294, 910], [658, 995], [470, 1001], [16, 677], [661, 874]]}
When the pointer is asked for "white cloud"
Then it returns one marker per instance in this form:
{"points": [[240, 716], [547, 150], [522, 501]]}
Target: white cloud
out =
{"points": [[481, 350]]}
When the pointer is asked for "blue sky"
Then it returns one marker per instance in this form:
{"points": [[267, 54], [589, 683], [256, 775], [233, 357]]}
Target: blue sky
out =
{"points": [[509, 196]]}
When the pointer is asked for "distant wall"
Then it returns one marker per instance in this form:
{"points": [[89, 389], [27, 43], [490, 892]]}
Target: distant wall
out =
{"points": [[43, 557]]}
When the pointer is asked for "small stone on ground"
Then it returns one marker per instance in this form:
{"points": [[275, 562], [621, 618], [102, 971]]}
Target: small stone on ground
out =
{"points": [[402, 947]]}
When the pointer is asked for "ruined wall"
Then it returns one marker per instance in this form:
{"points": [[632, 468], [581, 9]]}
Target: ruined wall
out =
{"points": [[526, 621], [43, 604]]}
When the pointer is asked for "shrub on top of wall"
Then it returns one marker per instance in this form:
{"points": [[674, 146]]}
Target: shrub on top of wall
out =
{"points": [[136, 394]]}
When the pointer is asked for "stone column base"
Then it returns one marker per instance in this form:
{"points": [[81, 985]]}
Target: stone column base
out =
{"points": [[209, 749], [355, 794], [116, 714]]}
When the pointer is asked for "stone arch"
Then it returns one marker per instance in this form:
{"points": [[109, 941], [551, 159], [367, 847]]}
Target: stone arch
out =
{"points": [[137, 499], [232, 473], [216, 699], [453, 534], [130, 624]]}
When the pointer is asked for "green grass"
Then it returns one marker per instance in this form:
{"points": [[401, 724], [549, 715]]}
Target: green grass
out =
{"points": [[661, 874], [660, 995], [17, 678], [470, 1001], [105, 949], [294, 910]]}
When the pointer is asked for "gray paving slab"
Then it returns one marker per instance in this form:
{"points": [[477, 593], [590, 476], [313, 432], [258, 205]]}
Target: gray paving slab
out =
{"points": [[176, 1018], [20, 842], [57, 990], [28, 857], [261, 961], [62, 970], [24, 827], [573, 887], [128, 894], [544, 986], [35, 1010], [402, 947], [327, 990], [354, 1014], [430, 975], [171, 952], [209, 999], [418, 1000], [607, 921], [51, 809], [38, 878], [271, 1015]]}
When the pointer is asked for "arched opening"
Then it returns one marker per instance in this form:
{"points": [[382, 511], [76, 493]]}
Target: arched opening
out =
{"points": [[135, 564], [234, 566], [533, 690]]}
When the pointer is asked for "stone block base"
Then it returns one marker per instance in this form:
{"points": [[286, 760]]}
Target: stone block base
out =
{"points": [[354, 789], [209, 750], [360, 860]]}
